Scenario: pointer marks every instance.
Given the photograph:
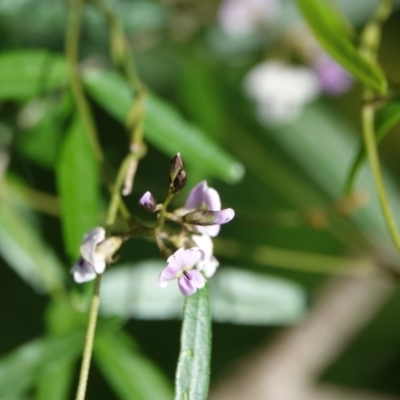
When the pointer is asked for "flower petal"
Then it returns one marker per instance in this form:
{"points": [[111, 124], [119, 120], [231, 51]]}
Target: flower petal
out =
{"points": [[212, 200], [224, 216], [83, 271], [190, 281], [205, 243], [210, 230], [90, 241], [167, 274], [196, 195]]}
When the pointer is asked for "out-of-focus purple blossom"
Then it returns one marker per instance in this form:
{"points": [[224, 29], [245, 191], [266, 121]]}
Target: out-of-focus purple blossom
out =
{"points": [[180, 266], [209, 264], [91, 262], [242, 18], [148, 202], [280, 90], [202, 197], [334, 80]]}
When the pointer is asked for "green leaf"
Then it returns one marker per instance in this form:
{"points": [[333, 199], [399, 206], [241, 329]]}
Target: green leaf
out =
{"points": [[22, 247], [329, 31], [78, 186], [27, 73], [20, 368], [130, 374], [164, 127], [55, 379], [42, 121], [193, 371], [385, 119], [238, 296]]}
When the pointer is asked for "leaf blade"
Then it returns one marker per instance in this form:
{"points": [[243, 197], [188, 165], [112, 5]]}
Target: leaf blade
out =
{"points": [[326, 27], [164, 127], [28, 73], [78, 186], [193, 371], [130, 374]]}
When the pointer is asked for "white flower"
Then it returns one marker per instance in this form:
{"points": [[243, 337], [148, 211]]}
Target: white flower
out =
{"points": [[91, 261], [280, 90], [241, 18], [208, 264]]}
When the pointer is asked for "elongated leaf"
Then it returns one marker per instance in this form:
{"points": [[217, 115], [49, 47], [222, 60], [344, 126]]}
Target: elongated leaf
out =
{"points": [[164, 127], [239, 297], [193, 371], [28, 73], [55, 380], [23, 249], [330, 34], [386, 118], [78, 185], [130, 374], [20, 368]]}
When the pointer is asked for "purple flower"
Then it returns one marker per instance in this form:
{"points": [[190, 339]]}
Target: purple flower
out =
{"points": [[91, 262], [180, 266], [148, 202], [202, 197], [333, 79]]}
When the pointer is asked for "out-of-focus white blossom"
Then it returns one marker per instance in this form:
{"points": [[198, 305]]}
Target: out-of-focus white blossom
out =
{"points": [[241, 18], [280, 90]]}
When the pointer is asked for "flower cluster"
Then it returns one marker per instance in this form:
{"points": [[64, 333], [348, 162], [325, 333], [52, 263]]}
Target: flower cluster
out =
{"points": [[188, 265], [193, 261]]}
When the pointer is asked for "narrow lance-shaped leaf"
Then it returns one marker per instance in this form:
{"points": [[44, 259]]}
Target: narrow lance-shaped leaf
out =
{"points": [[385, 119], [54, 379], [28, 73], [129, 373], [164, 127], [78, 185], [193, 371], [23, 249], [19, 369], [326, 26]]}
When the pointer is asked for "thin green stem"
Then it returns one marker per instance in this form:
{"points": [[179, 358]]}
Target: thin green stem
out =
{"points": [[90, 333], [71, 52], [369, 46]]}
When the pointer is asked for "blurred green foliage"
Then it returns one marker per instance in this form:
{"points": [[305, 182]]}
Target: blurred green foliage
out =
{"points": [[285, 183]]}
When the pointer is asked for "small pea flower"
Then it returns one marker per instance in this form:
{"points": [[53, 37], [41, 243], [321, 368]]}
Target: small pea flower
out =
{"points": [[96, 251], [208, 264], [181, 266], [202, 197], [90, 263], [148, 202]]}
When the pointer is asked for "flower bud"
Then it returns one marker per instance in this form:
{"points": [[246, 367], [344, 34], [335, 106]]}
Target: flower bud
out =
{"points": [[148, 202], [206, 217], [176, 165], [179, 182]]}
